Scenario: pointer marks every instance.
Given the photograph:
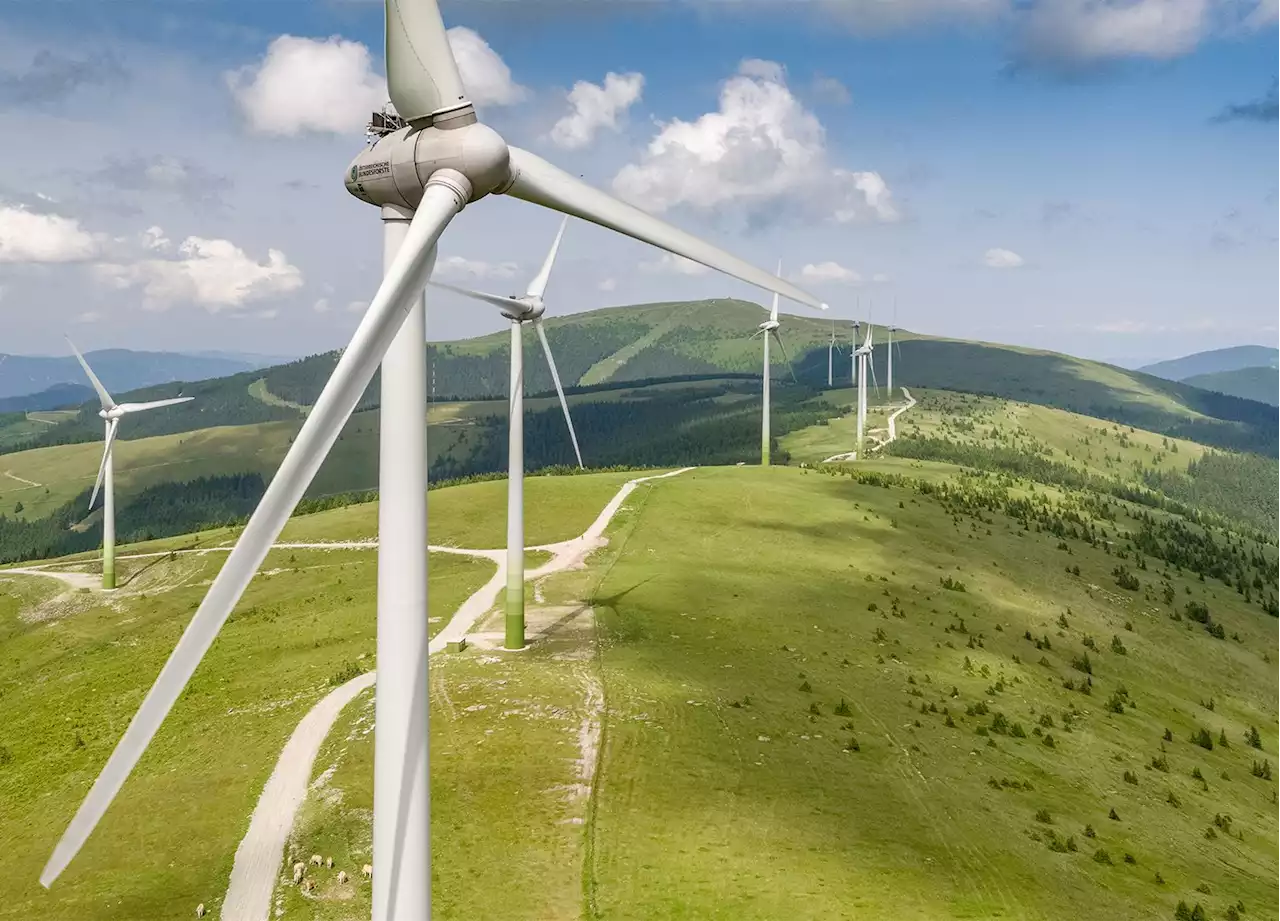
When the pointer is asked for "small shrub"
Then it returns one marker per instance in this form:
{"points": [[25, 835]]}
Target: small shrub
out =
{"points": [[1082, 664], [1101, 856], [1118, 647], [1089, 832], [1202, 738], [842, 709], [1253, 738], [814, 709], [1130, 777], [1129, 858], [1048, 740], [852, 745], [1113, 815], [1262, 770], [1042, 815], [806, 688]]}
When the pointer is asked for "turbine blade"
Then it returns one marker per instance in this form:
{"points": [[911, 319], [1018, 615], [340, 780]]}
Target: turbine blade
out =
{"points": [[497, 300], [422, 74], [102, 466], [555, 376], [154, 404], [535, 180], [538, 286], [773, 314], [871, 360], [403, 282], [103, 396], [785, 357]]}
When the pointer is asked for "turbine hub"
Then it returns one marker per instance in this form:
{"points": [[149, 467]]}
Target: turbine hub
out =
{"points": [[395, 169], [525, 308]]}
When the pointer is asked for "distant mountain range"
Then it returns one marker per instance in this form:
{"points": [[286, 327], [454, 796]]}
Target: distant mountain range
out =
{"points": [[41, 377], [1215, 362], [1261, 384]]}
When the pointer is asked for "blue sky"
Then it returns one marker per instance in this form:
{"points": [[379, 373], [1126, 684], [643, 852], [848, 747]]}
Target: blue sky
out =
{"points": [[1049, 173]]}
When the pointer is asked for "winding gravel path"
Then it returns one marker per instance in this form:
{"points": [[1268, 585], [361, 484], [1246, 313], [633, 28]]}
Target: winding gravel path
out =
{"points": [[893, 431], [257, 861]]}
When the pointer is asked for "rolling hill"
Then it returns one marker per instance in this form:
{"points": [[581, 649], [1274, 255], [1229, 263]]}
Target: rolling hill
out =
{"points": [[118, 369], [909, 690], [1261, 384], [1214, 362]]}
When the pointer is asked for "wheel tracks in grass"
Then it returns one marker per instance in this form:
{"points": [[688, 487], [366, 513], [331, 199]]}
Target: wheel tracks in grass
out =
{"points": [[590, 883], [967, 855]]}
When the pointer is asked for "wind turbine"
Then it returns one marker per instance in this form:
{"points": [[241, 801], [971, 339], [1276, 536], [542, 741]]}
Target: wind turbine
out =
{"points": [[832, 347], [111, 412], [427, 162], [527, 308], [865, 354], [769, 329]]}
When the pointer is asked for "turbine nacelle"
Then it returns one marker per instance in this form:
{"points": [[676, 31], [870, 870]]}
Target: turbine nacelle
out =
{"points": [[395, 169], [524, 308], [769, 326]]}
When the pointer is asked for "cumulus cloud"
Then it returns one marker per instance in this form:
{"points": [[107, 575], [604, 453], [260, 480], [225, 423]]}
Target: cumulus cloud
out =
{"points": [[608, 284], [28, 236], [997, 258], [485, 75], [760, 151], [829, 273], [329, 85], [216, 274], [458, 266], [671, 264], [594, 107], [1068, 33]]}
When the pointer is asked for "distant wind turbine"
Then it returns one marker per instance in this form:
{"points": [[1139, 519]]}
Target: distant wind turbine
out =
{"points": [[527, 308], [769, 329], [832, 347], [111, 412]]}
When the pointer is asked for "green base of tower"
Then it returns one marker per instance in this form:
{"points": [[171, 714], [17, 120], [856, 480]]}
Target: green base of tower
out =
{"points": [[109, 577], [515, 619]]}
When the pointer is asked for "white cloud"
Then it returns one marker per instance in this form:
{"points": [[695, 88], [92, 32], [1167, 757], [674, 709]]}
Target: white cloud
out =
{"points": [[215, 274], [671, 264], [608, 284], [1096, 30], [1122, 326], [357, 306], [594, 107], [829, 273], [997, 258], [305, 84], [26, 236], [89, 316], [1264, 14], [880, 278], [831, 91], [153, 238], [329, 85], [321, 306], [760, 151], [485, 75], [476, 268]]}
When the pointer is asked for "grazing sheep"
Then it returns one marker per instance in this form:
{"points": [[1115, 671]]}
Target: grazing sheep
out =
{"points": [[316, 860], [308, 884], [328, 862], [298, 869], [367, 870], [200, 910], [342, 876]]}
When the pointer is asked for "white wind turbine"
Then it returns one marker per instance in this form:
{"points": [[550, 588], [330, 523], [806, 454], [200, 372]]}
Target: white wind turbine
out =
{"points": [[864, 355], [527, 308], [833, 347], [112, 412], [427, 163], [769, 329]]}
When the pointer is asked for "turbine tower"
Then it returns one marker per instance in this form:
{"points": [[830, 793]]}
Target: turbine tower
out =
{"points": [[111, 412], [425, 164], [527, 308], [832, 347], [769, 329], [863, 354]]}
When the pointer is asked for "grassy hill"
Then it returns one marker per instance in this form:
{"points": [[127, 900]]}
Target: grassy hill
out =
{"points": [[1215, 361], [909, 690], [1261, 384]]}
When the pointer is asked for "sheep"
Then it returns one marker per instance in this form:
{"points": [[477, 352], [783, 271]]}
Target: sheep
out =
{"points": [[316, 860], [298, 869], [367, 871], [328, 862], [308, 884], [200, 910], [342, 876]]}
